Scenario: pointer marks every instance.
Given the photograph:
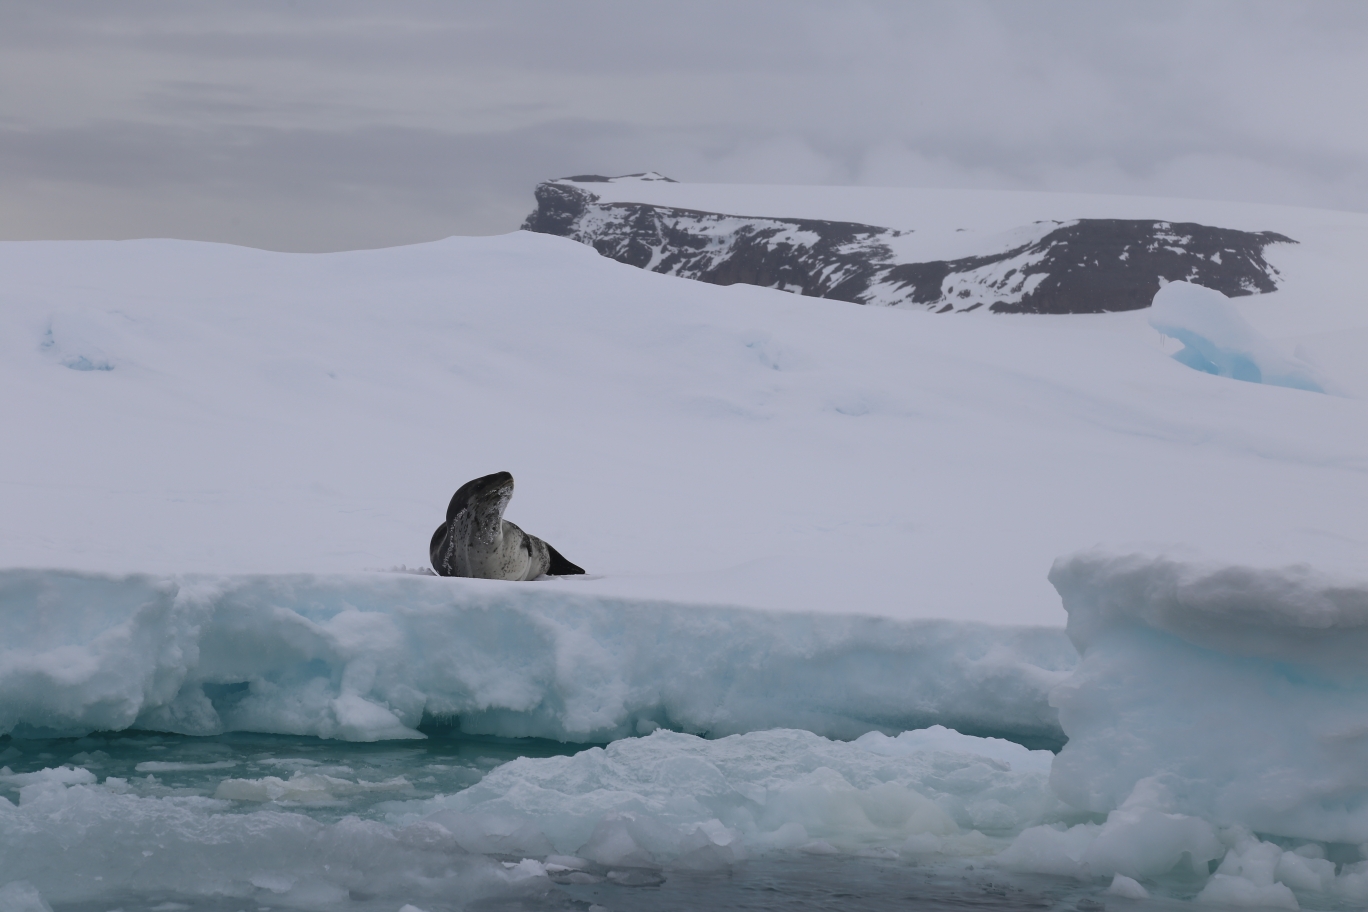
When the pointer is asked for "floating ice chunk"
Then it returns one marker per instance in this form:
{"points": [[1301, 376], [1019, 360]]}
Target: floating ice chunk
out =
{"points": [[80, 842], [1219, 341], [301, 788], [1143, 839], [526, 869], [1136, 841], [710, 846], [1051, 849], [1237, 891], [676, 799], [617, 841], [1312, 875], [505, 834], [156, 766], [1127, 888], [1240, 690], [61, 775], [947, 740]]}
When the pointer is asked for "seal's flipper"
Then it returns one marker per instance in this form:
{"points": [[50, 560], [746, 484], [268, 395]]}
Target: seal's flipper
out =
{"points": [[437, 546], [559, 565]]}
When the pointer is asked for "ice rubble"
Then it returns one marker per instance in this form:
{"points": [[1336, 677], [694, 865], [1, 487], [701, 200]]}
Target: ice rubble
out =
{"points": [[1216, 744], [683, 800], [366, 657], [1212, 703], [1216, 339], [1237, 693], [665, 800]]}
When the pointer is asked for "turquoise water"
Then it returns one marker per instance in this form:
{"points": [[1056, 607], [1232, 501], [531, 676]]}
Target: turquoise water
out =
{"points": [[331, 780], [334, 779]]}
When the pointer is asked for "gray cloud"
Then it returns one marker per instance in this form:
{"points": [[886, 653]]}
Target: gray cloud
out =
{"points": [[315, 126]]}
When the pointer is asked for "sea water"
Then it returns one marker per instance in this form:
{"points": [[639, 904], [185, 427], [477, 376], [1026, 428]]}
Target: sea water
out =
{"points": [[328, 782]]}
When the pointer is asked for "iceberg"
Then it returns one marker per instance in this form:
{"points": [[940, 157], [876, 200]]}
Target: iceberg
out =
{"points": [[1217, 340], [1216, 727], [1239, 693]]}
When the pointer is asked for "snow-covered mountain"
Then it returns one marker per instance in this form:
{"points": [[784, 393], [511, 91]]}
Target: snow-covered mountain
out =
{"points": [[1083, 265]]}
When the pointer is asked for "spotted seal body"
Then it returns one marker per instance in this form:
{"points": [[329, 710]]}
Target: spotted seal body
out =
{"points": [[476, 541]]}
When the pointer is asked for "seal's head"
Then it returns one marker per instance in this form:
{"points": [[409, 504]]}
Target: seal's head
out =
{"points": [[485, 500]]}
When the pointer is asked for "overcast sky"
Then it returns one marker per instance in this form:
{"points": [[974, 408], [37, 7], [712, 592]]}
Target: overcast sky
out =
{"points": [[332, 125]]}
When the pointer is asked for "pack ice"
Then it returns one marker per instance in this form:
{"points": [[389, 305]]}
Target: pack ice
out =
{"points": [[1214, 752], [814, 532]]}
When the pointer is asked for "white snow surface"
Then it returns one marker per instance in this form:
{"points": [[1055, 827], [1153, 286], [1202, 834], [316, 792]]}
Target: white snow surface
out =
{"points": [[364, 657], [178, 408]]}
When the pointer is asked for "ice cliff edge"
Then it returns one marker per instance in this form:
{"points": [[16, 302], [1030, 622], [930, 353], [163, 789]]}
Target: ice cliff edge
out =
{"points": [[1237, 693], [365, 657]]}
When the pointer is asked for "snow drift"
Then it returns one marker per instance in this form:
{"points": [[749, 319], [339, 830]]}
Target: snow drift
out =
{"points": [[368, 656]]}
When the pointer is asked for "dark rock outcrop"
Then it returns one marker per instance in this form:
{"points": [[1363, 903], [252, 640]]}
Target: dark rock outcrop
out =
{"points": [[1081, 266]]}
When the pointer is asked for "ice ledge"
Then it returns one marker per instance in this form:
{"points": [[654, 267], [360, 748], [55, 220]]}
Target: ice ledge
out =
{"points": [[367, 656], [1289, 613]]}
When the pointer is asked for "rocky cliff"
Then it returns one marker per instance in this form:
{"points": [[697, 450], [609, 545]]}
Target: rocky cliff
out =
{"points": [[1089, 265]]}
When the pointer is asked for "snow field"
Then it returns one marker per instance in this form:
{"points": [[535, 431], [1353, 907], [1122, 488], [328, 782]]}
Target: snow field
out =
{"points": [[683, 442]]}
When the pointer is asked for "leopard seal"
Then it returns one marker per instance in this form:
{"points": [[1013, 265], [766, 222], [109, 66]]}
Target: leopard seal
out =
{"points": [[476, 541]]}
